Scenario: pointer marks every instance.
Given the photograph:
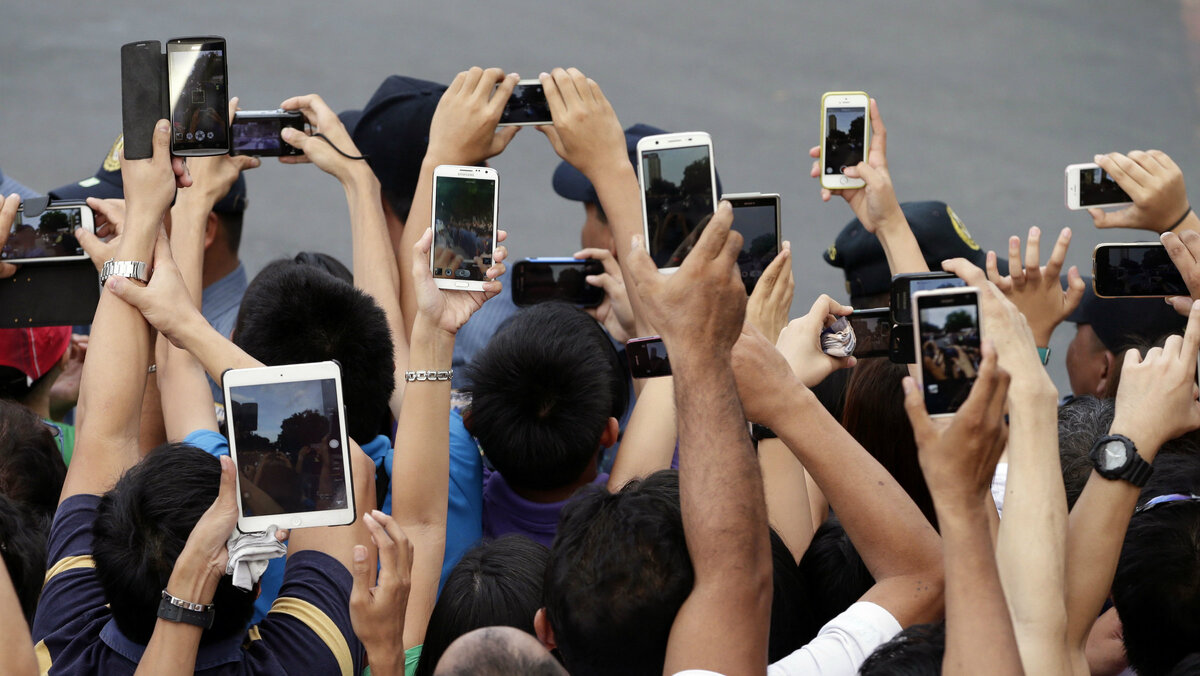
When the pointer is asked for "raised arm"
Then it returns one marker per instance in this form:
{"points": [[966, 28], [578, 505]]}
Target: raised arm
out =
{"points": [[1036, 289], [1155, 184], [723, 624], [19, 658]]}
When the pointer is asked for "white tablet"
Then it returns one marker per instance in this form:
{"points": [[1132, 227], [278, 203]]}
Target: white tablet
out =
{"points": [[287, 438]]}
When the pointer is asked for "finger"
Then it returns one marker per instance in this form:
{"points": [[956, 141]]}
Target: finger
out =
{"points": [[771, 274], [581, 84], [566, 86], [396, 534], [611, 266], [814, 152], [1033, 254], [1164, 160], [227, 494], [781, 292], [487, 82], [1191, 337], [474, 75], [1181, 304], [914, 406], [870, 175], [551, 135], [387, 548], [1058, 255], [233, 107], [1172, 346], [8, 214], [966, 271], [457, 84], [1125, 172], [360, 592], [1015, 270], [161, 141], [993, 270], [502, 138], [1180, 254], [1191, 239], [641, 267], [1148, 166], [712, 241], [554, 99], [878, 134], [815, 171], [91, 244], [1075, 290]]}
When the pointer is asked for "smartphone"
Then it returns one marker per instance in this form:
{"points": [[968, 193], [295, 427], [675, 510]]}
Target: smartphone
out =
{"points": [[872, 332], [287, 439], [526, 106], [464, 226], [1087, 186], [679, 193], [258, 132], [845, 128], [908, 283], [538, 280], [1135, 270], [946, 334], [756, 216], [647, 357], [199, 96], [48, 237], [143, 96]]}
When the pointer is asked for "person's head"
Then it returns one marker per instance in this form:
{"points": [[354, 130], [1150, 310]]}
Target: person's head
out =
{"points": [[618, 573], [546, 394], [497, 651], [916, 651], [495, 584], [392, 132], [23, 548], [1081, 421], [294, 313], [1156, 588], [874, 415], [31, 360], [834, 571], [31, 466], [141, 526]]}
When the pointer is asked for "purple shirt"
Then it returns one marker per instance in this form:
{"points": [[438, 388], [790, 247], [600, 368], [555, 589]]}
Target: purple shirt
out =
{"points": [[506, 512]]}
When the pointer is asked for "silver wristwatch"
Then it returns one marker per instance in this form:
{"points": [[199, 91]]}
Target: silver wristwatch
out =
{"points": [[131, 269]]}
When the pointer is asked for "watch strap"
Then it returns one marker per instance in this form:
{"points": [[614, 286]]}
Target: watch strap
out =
{"points": [[174, 609], [131, 269], [1044, 353], [1139, 471], [1136, 470]]}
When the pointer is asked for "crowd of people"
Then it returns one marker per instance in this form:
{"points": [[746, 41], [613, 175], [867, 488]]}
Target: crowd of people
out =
{"points": [[525, 507]]}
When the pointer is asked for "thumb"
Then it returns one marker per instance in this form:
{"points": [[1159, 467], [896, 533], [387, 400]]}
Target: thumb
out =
{"points": [[129, 292], [294, 137], [914, 406], [226, 497], [1182, 304], [91, 244], [360, 592], [162, 139], [641, 268], [501, 139]]}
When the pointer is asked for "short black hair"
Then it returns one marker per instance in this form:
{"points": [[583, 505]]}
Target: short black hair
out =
{"points": [[619, 571], [835, 573], [1156, 588], [32, 470], [916, 651], [1081, 421], [23, 534], [497, 583], [542, 392], [293, 313], [141, 526], [1188, 666]]}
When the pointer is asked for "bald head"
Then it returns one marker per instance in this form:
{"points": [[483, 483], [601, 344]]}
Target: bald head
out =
{"points": [[497, 651]]}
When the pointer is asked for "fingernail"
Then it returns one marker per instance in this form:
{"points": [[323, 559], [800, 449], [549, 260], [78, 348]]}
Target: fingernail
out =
{"points": [[543, 74], [787, 245], [360, 554], [367, 516], [1035, 230], [376, 513], [907, 384], [163, 126], [1096, 158], [1169, 300]]}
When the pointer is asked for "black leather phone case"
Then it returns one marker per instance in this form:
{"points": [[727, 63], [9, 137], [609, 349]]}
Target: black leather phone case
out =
{"points": [[143, 95]]}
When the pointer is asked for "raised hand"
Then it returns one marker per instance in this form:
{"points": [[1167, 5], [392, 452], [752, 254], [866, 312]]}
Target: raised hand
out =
{"points": [[164, 302], [1037, 291], [1184, 250], [800, 342], [1155, 184], [8, 214], [874, 204], [377, 608], [449, 309], [586, 131], [150, 183], [321, 151], [762, 374], [463, 130], [767, 308], [615, 312]]}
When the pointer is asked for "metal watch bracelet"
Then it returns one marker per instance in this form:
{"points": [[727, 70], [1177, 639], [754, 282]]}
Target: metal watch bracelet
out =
{"points": [[131, 269]]}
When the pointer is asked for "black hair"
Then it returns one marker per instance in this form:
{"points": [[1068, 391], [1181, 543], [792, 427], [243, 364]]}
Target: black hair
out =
{"points": [[542, 392], [1156, 588], [231, 223], [1188, 666], [916, 651], [327, 263], [140, 529], [293, 313], [1081, 421], [1176, 470], [32, 470], [496, 583], [835, 573], [23, 533], [618, 573]]}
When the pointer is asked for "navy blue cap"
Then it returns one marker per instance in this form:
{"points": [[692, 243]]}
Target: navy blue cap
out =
{"points": [[939, 232], [107, 184], [392, 130], [1122, 323]]}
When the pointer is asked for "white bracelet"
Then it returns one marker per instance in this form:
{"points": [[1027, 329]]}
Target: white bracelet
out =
{"points": [[411, 376]]}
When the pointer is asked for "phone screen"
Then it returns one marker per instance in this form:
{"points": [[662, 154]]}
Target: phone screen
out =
{"points": [[542, 281], [288, 439], [647, 357], [260, 136], [680, 198], [198, 94], [757, 221], [949, 351], [527, 105], [903, 287], [48, 235], [464, 227], [845, 136], [1138, 270], [1097, 187], [872, 332]]}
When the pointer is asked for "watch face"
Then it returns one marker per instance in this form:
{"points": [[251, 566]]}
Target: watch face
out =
{"points": [[1114, 455]]}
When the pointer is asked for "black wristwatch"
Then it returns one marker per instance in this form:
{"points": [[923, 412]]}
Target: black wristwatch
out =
{"points": [[760, 432], [173, 609], [1115, 457]]}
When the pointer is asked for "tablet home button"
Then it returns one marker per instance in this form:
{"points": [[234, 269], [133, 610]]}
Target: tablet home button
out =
{"points": [[296, 521]]}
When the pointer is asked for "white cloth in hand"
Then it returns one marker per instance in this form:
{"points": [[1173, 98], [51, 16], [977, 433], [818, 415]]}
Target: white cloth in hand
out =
{"points": [[249, 554]]}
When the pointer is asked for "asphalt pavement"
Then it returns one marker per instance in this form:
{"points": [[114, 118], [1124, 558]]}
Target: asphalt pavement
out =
{"points": [[984, 102]]}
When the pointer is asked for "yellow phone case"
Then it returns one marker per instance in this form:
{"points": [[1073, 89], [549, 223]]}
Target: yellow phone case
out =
{"points": [[821, 139]]}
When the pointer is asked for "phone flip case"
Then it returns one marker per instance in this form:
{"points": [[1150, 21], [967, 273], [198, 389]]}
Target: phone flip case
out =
{"points": [[143, 95]]}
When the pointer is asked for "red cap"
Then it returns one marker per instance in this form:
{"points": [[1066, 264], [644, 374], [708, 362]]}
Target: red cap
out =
{"points": [[34, 351]]}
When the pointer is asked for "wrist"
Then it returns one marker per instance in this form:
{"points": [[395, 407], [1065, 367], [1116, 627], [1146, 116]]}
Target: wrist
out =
{"points": [[359, 181], [892, 223], [193, 579], [1145, 440], [961, 509], [434, 345]]}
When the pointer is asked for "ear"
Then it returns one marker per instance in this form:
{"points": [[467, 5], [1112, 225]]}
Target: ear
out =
{"points": [[210, 229], [612, 431], [545, 633], [466, 416], [1107, 364]]}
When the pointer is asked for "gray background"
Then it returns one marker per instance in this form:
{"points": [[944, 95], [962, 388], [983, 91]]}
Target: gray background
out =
{"points": [[985, 102]]}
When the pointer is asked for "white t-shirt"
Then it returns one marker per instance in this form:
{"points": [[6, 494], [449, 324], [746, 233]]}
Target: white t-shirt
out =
{"points": [[839, 648], [999, 481]]}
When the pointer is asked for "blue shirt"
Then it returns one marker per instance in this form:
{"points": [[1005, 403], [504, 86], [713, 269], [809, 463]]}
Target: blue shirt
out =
{"points": [[219, 303], [308, 631]]}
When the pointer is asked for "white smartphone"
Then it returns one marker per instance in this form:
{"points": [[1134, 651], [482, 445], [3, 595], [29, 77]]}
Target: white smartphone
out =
{"points": [[679, 193], [48, 237], [946, 332], [464, 226], [287, 438], [526, 106], [1088, 186], [845, 131]]}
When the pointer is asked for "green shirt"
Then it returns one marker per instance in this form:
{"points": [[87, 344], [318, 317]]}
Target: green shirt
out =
{"points": [[412, 657], [64, 435]]}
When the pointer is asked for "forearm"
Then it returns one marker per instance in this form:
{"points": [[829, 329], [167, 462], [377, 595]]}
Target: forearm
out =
{"points": [[189, 220], [185, 400], [213, 351], [649, 440], [420, 216], [617, 187], [173, 645], [786, 489], [900, 245], [19, 658]]}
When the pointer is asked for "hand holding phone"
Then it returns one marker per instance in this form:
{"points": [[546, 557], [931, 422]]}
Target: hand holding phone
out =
{"points": [[49, 236], [1154, 184], [526, 106], [464, 226], [845, 128], [197, 81], [259, 133], [800, 342], [872, 331]]}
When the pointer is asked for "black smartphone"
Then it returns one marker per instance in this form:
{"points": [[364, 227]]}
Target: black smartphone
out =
{"points": [[526, 106], [647, 357], [756, 217], [258, 132], [197, 80], [872, 332], [908, 283], [947, 336], [537, 280], [1135, 270]]}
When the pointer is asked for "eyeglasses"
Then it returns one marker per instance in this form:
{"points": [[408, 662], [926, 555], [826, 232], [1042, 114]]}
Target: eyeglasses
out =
{"points": [[1166, 499]]}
